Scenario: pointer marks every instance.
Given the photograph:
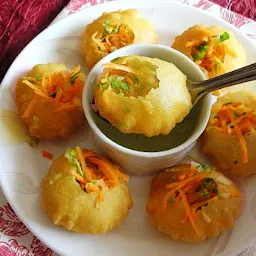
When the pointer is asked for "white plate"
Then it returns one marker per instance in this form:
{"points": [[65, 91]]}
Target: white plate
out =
{"points": [[22, 167]]}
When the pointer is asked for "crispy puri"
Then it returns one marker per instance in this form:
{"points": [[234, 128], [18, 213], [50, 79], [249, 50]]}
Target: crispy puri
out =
{"points": [[113, 30], [229, 138], [48, 99], [214, 49], [142, 95], [85, 192], [193, 202]]}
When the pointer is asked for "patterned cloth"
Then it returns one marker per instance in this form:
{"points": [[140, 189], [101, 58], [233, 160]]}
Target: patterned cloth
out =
{"points": [[246, 8], [20, 22], [15, 238]]}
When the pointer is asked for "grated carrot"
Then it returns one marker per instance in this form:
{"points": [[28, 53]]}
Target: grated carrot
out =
{"points": [[81, 160], [178, 185], [98, 172], [240, 137], [181, 177], [87, 153], [214, 53], [237, 119], [78, 177], [59, 94], [236, 104], [61, 88], [98, 42], [191, 172], [47, 154], [104, 167], [189, 187], [194, 42], [197, 188], [36, 89], [129, 81], [200, 176], [30, 107], [188, 211], [120, 35]]}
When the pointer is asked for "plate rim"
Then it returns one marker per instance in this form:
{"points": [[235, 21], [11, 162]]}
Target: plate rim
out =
{"points": [[141, 4]]}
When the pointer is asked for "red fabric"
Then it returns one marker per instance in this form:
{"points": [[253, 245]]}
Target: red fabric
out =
{"points": [[21, 21], [246, 8]]}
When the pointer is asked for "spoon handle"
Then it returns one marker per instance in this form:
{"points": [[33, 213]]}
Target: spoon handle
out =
{"points": [[242, 75]]}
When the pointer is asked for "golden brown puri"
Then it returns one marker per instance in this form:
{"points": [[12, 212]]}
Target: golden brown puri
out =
{"points": [[214, 49], [113, 30], [48, 99], [231, 145], [193, 202], [142, 95], [94, 201]]}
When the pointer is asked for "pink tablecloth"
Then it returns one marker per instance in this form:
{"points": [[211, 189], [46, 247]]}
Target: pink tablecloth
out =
{"points": [[20, 22], [15, 238], [246, 8]]}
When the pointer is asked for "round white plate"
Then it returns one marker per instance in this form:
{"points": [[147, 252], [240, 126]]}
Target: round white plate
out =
{"points": [[22, 167]]}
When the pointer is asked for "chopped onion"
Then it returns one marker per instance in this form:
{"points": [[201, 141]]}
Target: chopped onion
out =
{"points": [[195, 164], [224, 195], [206, 217], [223, 180]]}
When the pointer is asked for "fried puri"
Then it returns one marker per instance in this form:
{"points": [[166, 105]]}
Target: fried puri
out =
{"points": [[214, 49], [48, 99], [114, 30], [142, 95], [229, 139], [85, 192], [193, 202]]}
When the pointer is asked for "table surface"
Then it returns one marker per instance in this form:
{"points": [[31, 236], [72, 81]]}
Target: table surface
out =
{"points": [[15, 238]]}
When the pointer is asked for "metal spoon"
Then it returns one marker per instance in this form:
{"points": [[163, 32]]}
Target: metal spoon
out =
{"points": [[199, 89]]}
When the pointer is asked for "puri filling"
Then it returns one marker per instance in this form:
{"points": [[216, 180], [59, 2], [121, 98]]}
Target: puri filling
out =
{"points": [[195, 189], [63, 88], [93, 172], [209, 52], [129, 76], [115, 36], [238, 119]]}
